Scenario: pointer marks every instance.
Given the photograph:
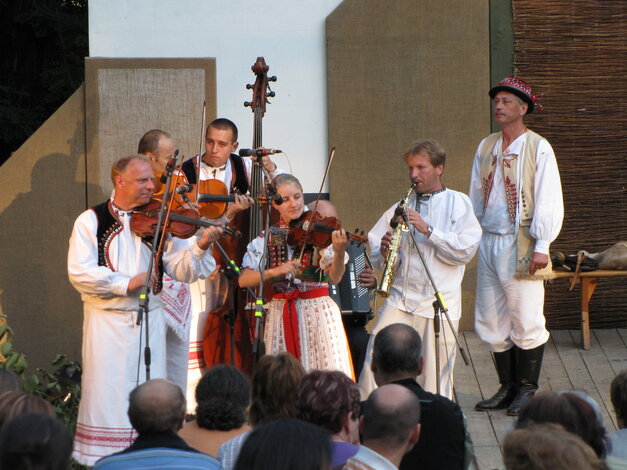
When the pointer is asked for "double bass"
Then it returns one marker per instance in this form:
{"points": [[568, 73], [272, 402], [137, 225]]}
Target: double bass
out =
{"points": [[228, 332]]}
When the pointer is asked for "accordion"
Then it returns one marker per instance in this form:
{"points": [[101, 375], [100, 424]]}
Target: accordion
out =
{"points": [[349, 294]]}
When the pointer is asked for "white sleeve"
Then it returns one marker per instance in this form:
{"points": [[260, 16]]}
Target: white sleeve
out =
{"points": [[254, 251], [374, 237], [326, 257], [82, 263], [476, 190], [548, 201], [459, 244], [185, 261]]}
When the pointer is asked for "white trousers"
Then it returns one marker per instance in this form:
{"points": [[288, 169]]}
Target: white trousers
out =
{"points": [[424, 326], [508, 311], [177, 352]]}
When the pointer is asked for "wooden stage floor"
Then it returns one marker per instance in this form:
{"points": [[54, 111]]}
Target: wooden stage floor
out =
{"points": [[566, 367]]}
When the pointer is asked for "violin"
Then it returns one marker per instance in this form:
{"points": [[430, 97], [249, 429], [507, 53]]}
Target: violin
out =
{"points": [[182, 223], [314, 229], [212, 196]]}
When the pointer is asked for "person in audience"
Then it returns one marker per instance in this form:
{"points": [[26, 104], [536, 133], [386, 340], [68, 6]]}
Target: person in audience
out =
{"points": [[222, 397], [548, 446], [35, 441], [286, 444], [618, 439], [331, 400], [390, 427], [156, 411], [13, 404], [397, 358], [569, 409], [273, 396]]}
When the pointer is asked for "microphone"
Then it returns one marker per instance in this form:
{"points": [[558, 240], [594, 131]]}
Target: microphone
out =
{"points": [[184, 188], [258, 152], [396, 218], [169, 167], [276, 197]]}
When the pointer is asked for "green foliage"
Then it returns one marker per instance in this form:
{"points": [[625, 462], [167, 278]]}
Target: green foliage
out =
{"points": [[61, 388]]}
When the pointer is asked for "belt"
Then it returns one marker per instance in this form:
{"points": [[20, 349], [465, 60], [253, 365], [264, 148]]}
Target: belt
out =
{"points": [[290, 315]]}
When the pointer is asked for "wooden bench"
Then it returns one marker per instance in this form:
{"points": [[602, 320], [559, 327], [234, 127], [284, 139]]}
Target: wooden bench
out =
{"points": [[588, 281]]}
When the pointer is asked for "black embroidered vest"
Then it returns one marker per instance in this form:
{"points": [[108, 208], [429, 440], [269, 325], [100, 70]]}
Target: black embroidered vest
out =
{"points": [[108, 228], [237, 165]]}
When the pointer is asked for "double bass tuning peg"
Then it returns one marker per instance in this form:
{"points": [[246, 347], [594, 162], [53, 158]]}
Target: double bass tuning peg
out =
{"points": [[249, 86], [247, 104], [271, 94], [272, 78]]}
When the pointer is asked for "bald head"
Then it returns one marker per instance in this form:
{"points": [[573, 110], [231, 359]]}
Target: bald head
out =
{"points": [[391, 413], [396, 353], [325, 208], [156, 406]]}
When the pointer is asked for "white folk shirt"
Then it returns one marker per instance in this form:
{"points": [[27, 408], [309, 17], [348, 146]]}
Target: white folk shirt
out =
{"points": [[548, 201], [452, 244]]}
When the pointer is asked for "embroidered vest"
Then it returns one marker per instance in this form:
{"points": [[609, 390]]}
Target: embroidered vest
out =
{"points": [[513, 179], [108, 228], [278, 254], [240, 181]]}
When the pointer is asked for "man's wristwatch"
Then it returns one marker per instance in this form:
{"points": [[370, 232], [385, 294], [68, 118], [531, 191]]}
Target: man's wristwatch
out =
{"points": [[429, 231]]}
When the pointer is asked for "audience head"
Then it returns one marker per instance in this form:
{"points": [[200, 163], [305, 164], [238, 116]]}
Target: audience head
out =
{"points": [[222, 397], [286, 444], [548, 446], [618, 394], [156, 406], [8, 381], [275, 387], [396, 354], [331, 400], [574, 413], [324, 208], [13, 404], [391, 418], [35, 441]]}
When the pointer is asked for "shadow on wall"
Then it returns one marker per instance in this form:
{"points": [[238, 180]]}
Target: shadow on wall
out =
{"points": [[42, 307]]}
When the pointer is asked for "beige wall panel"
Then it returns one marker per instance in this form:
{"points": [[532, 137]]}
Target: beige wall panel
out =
{"points": [[400, 71], [43, 190], [127, 97]]}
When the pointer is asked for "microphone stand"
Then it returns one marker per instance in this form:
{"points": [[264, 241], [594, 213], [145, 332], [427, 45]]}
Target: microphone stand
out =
{"points": [[439, 306], [259, 347], [144, 296], [232, 271]]}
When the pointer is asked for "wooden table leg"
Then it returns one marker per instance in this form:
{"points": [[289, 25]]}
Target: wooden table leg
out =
{"points": [[588, 284]]}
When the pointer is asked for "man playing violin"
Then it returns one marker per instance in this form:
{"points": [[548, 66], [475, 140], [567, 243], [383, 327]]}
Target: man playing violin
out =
{"points": [[107, 264], [158, 145], [219, 163], [448, 234]]}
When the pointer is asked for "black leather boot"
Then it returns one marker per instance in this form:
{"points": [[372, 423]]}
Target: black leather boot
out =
{"points": [[528, 363], [505, 368]]}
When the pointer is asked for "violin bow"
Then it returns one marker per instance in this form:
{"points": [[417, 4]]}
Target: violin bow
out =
{"points": [[202, 138], [310, 226]]}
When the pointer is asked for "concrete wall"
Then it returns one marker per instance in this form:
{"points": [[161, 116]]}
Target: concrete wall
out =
{"points": [[44, 189], [289, 34]]}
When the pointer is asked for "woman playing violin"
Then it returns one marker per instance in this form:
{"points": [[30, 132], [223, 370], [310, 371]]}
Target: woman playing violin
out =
{"points": [[302, 318]]}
